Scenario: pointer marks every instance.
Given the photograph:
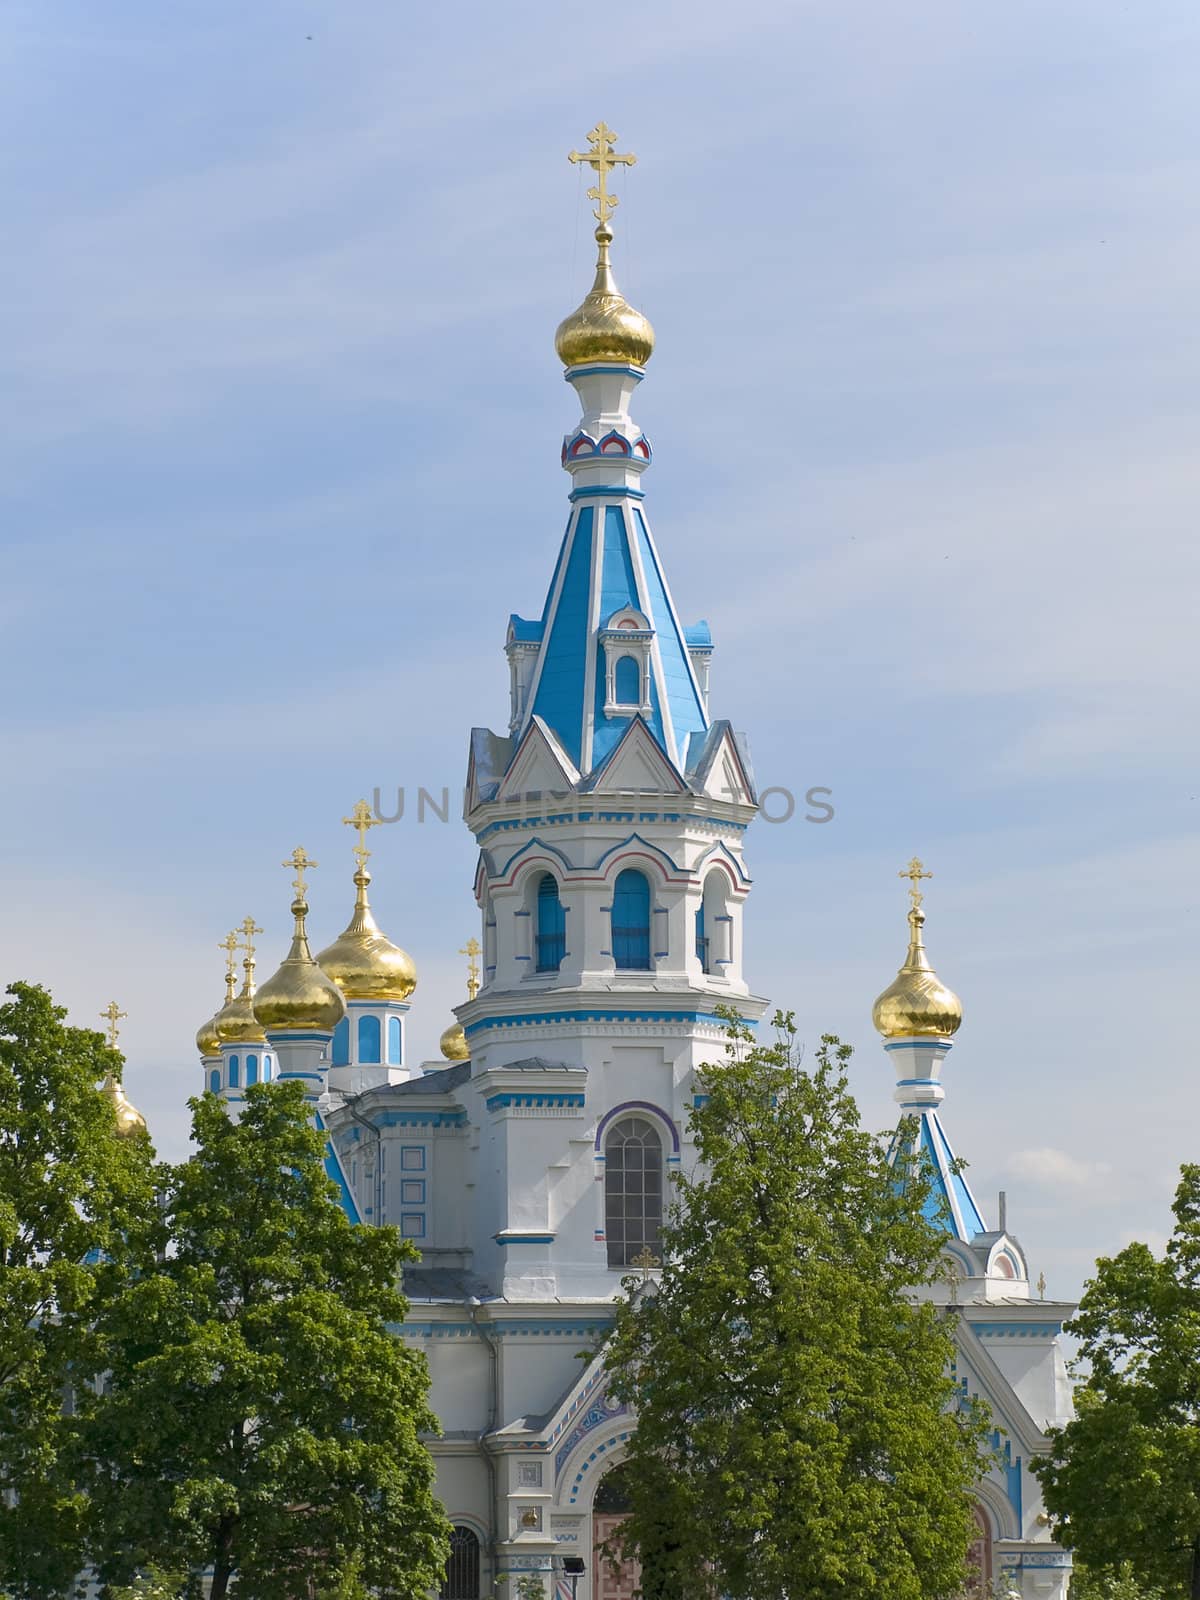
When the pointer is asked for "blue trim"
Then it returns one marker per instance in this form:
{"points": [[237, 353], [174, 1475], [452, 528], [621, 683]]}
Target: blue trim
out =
{"points": [[419, 1119], [1016, 1330], [497, 1101], [929, 1042], [536, 1017], [523, 1238], [298, 1038], [611, 492], [604, 366], [917, 1083]]}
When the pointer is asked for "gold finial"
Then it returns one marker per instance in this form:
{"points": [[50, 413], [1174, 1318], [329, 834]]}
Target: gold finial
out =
{"points": [[229, 944], [1041, 1286], [362, 819], [647, 1260], [914, 872], [112, 1014], [471, 951], [602, 158], [302, 862]]}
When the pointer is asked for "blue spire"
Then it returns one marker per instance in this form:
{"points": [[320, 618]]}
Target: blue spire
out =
{"points": [[610, 646]]}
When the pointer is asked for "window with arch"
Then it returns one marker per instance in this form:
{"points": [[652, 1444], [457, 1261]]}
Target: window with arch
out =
{"points": [[627, 681], [462, 1568], [214, 1081], [551, 936], [701, 938], [266, 1069], [631, 921], [633, 1190], [341, 1043], [394, 1042], [714, 925], [370, 1041], [251, 1070], [235, 1076]]}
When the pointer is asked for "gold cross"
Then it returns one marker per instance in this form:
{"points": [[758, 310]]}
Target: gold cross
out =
{"points": [[248, 929], [602, 159], [914, 872], [229, 944], [647, 1260], [471, 951], [362, 819], [112, 1014], [1041, 1286], [302, 861]]}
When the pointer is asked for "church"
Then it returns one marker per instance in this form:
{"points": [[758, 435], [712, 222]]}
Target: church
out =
{"points": [[531, 1165]]}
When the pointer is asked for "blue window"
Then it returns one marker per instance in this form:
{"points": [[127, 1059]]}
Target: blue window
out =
{"points": [[631, 922], [234, 1073], [701, 939], [551, 925], [628, 682], [369, 1041], [341, 1043], [214, 1082], [394, 1046], [251, 1070], [266, 1069]]}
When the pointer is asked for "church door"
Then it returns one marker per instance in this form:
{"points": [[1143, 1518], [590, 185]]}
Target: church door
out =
{"points": [[609, 1511]]}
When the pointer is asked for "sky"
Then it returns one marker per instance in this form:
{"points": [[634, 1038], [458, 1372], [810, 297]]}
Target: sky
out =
{"points": [[279, 449]]}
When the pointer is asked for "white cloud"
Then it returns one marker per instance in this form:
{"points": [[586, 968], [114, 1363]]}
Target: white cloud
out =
{"points": [[1056, 1168]]}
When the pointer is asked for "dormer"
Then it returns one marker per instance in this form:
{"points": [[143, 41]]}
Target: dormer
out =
{"points": [[626, 639]]}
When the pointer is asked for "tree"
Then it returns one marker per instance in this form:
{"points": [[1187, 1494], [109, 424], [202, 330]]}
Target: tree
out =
{"points": [[1121, 1585], [76, 1219], [797, 1428], [262, 1418], [1122, 1480]]}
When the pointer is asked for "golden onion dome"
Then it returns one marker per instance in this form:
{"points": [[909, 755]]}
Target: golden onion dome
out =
{"points": [[453, 1043], [236, 1023], [130, 1120], [208, 1040], [362, 961], [917, 1004], [605, 327], [299, 997]]}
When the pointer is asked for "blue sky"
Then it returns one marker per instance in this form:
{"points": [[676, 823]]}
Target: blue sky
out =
{"points": [[280, 453]]}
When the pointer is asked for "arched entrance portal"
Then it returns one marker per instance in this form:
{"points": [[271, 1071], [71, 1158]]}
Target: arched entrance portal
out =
{"points": [[609, 1510], [979, 1558]]}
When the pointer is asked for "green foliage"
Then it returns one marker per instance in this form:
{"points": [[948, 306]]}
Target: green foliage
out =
{"points": [[262, 1418], [1121, 1585], [797, 1432], [76, 1219], [152, 1584], [1122, 1481]]}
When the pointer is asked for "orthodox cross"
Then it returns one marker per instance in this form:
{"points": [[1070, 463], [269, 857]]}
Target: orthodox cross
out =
{"points": [[248, 929], [471, 951], [647, 1260], [112, 1014], [229, 944], [362, 819], [602, 159], [914, 872], [1041, 1286], [302, 861]]}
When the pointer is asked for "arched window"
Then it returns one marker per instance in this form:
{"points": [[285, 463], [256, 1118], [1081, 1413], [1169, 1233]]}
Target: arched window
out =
{"points": [[266, 1069], [214, 1081], [369, 1041], [251, 1070], [551, 925], [716, 952], [631, 922], [235, 1076], [701, 938], [462, 1569], [341, 1043], [394, 1059], [627, 682], [633, 1190]]}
